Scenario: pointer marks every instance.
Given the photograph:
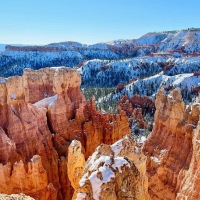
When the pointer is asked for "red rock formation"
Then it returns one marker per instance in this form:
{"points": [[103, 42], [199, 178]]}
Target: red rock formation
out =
{"points": [[190, 187], [41, 112], [120, 87], [135, 107], [169, 147]]}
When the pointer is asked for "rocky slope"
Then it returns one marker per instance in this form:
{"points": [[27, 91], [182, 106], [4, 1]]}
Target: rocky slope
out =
{"points": [[110, 73], [183, 41], [41, 112], [166, 44]]}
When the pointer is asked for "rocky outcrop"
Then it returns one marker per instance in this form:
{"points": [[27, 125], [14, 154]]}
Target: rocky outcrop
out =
{"points": [[115, 172], [15, 197], [29, 178], [189, 187], [169, 148], [136, 108], [41, 113]]}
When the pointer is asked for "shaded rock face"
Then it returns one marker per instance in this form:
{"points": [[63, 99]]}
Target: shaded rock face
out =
{"points": [[136, 107], [40, 113], [115, 172], [171, 154]]}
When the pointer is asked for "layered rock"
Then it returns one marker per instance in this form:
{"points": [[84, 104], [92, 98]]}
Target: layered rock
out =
{"points": [[169, 147], [41, 112], [115, 172]]}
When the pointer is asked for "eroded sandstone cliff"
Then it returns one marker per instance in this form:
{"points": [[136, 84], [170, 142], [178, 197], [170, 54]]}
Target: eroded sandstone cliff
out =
{"points": [[169, 148], [40, 114]]}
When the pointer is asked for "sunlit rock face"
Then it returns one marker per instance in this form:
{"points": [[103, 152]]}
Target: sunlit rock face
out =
{"points": [[40, 114], [169, 149], [115, 171], [190, 187]]}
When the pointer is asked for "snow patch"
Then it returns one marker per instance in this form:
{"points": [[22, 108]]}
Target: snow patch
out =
{"points": [[103, 159], [117, 147], [119, 162], [81, 196], [47, 101], [155, 159], [106, 175]]}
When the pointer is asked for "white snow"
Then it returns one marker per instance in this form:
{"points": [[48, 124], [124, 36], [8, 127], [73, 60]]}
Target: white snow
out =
{"points": [[103, 165], [143, 139], [81, 196], [117, 147], [73, 143], [96, 183], [46, 101], [137, 150], [119, 162], [102, 159], [13, 96], [2, 80], [155, 159]]}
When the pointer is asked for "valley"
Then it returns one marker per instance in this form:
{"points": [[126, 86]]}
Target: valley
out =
{"points": [[113, 120]]}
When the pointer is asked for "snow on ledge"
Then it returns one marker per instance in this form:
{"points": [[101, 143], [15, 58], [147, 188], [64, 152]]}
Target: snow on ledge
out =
{"points": [[107, 164], [47, 101], [117, 147]]}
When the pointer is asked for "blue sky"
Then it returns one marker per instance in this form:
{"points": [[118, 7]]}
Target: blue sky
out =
{"points": [[92, 21]]}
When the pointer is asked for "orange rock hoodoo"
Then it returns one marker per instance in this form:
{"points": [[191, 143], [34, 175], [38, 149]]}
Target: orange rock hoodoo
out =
{"points": [[40, 114], [172, 149]]}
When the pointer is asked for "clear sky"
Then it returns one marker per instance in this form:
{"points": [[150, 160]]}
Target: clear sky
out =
{"points": [[92, 21]]}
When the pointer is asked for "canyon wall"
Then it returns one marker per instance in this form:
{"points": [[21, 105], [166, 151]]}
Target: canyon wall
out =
{"points": [[41, 112], [171, 155]]}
